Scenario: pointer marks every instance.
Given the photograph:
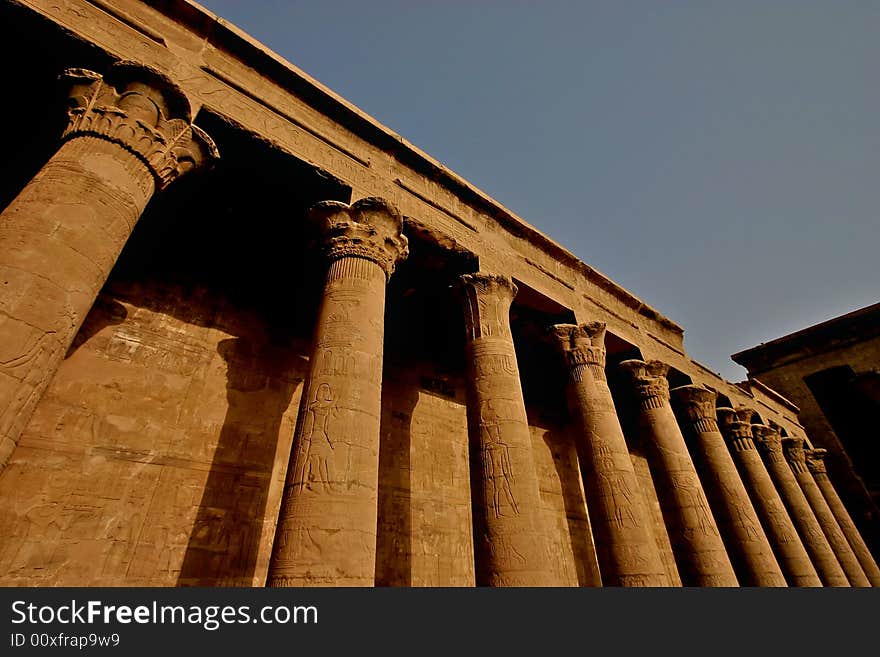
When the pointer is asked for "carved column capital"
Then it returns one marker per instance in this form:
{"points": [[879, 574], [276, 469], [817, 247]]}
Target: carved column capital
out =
{"points": [[487, 299], [744, 414], [698, 407], [141, 110], [726, 417], [649, 381], [793, 448], [736, 432], [583, 345], [816, 460], [370, 228], [768, 440]]}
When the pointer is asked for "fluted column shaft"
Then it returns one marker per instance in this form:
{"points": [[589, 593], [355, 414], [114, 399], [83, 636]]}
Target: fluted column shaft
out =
{"points": [[747, 544], [326, 532], [827, 566], [625, 546], [816, 466], [790, 551], [700, 553], [509, 532], [129, 133], [793, 448]]}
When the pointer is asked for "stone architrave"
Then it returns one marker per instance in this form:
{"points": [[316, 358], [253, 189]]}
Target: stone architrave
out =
{"points": [[793, 448], [625, 545], [790, 551], [509, 533], [769, 444], [699, 551], [740, 527], [326, 532], [816, 466], [129, 134]]}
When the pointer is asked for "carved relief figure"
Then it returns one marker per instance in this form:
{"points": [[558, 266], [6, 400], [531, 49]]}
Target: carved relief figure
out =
{"points": [[620, 504], [741, 515], [316, 447], [503, 550], [779, 518], [496, 462], [704, 522]]}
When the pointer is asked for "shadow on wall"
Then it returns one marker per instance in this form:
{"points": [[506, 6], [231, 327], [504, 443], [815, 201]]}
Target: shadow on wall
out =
{"points": [[565, 461], [225, 540], [394, 529]]}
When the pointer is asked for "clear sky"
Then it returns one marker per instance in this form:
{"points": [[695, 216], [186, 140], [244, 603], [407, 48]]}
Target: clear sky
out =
{"points": [[721, 160]]}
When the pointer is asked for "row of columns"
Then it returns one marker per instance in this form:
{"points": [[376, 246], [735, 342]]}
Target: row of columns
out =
{"points": [[733, 516]]}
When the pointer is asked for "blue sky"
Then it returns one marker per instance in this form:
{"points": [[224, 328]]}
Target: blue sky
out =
{"points": [[721, 160]]}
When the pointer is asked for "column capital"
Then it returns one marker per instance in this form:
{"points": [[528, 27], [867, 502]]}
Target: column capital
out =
{"points": [[487, 299], [793, 448], [726, 417], [140, 109], [698, 406], [582, 344], [816, 460], [649, 381], [768, 440], [370, 228]]}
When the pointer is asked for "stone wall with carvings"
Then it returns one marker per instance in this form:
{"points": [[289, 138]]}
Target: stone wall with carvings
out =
{"points": [[157, 453]]}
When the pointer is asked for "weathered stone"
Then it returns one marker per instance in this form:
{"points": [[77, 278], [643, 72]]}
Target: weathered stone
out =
{"points": [[790, 551], [510, 538], [793, 448], [769, 444], [326, 532], [815, 460], [741, 530], [150, 396], [129, 133], [700, 553], [627, 551]]}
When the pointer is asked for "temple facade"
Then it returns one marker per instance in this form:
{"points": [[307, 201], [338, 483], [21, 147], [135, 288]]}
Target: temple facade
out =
{"points": [[249, 336]]}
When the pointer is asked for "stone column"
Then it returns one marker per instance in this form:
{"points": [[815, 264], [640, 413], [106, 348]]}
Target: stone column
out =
{"points": [[816, 466], [625, 545], [700, 553], [790, 551], [769, 444], [326, 533], [129, 133], [741, 530], [509, 534], [793, 448]]}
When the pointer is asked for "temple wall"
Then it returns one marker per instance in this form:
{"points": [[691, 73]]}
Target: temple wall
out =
{"points": [[157, 454]]}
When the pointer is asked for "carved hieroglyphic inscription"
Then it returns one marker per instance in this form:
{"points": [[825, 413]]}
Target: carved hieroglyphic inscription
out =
{"points": [[512, 544], [326, 532]]}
